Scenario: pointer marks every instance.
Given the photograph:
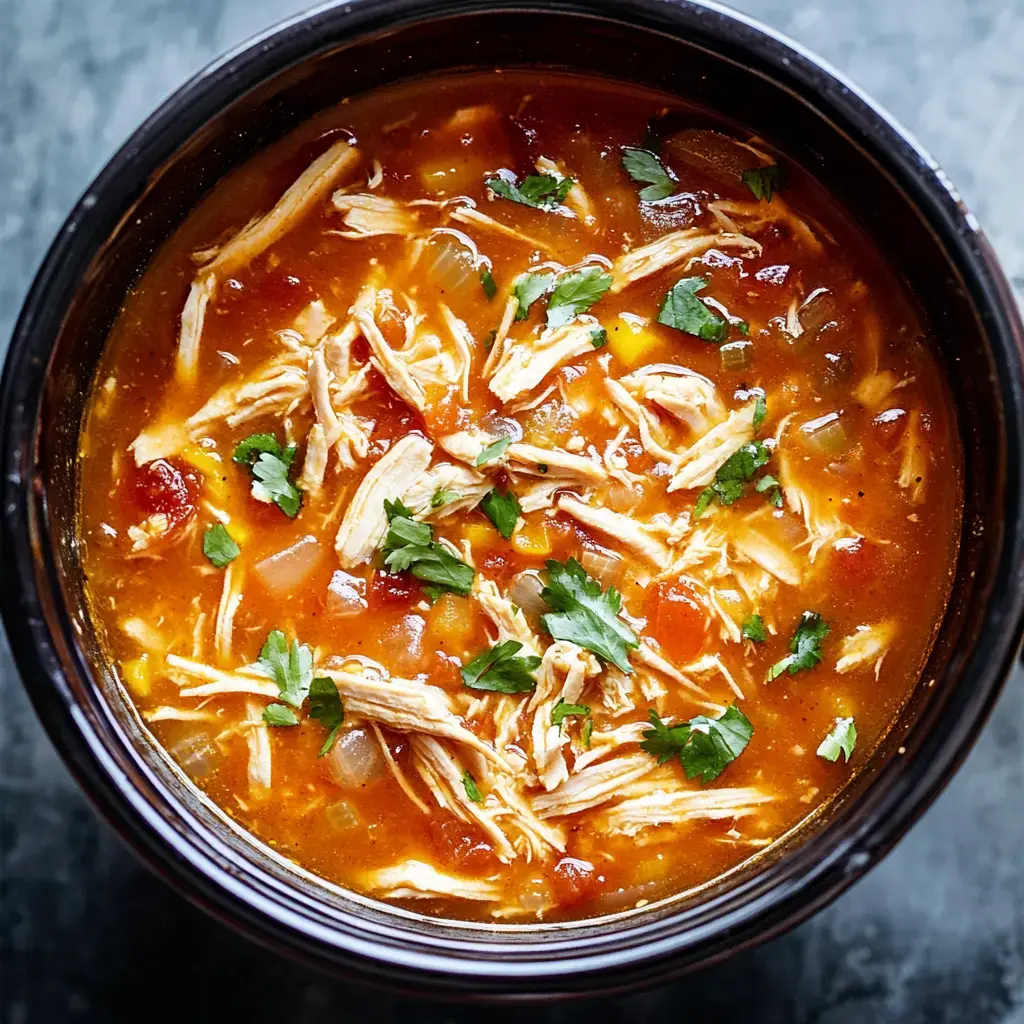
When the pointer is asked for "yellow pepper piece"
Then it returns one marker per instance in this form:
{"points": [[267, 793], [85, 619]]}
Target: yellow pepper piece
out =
{"points": [[631, 342], [213, 468], [532, 539], [136, 675], [480, 535], [453, 619]]}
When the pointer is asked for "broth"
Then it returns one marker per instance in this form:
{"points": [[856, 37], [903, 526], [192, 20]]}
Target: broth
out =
{"points": [[711, 399]]}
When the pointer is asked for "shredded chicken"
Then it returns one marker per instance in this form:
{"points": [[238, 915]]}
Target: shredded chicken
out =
{"points": [[680, 806], [473, 217], [257, 738], [446, 488], [366, 214], [230, 599], [866, 644], [593, 786], [914, 461], [414, 879], [508, 619], [576, 199], [625, 529], [697, 466], [692, 399], [525, 362], [750, 217]]}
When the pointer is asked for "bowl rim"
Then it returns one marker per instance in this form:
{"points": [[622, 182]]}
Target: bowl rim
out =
{"points": [[204, 875]]}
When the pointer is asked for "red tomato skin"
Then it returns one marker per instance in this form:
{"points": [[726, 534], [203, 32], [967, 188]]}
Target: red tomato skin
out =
{"points": [[164, 487], [573, 880], [677, 619], [387, 590]]}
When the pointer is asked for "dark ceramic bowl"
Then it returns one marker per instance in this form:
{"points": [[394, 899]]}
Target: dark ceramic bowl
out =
{"points": [[700, 52]]}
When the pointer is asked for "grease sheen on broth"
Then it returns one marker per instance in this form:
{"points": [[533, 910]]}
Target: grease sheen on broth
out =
{"points": [[778, 455]]}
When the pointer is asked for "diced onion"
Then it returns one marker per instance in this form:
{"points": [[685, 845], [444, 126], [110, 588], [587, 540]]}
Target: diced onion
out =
{"points": [[711, 153], [355, 759], [623, 498], [197, 754], [286, 571], [343, 817], [604, 565], [402, 645], [502, 426], [452, 264], [817, 310], [826, 434], [524, 592], [625, 899], [736, 355], [346, 595]]}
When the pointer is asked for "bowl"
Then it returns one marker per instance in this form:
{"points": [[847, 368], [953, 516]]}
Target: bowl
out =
{"points": [[699, 51]]}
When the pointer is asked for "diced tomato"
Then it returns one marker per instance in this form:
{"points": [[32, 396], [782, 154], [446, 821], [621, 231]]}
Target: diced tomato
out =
{"points": [[676, 619], [461, 845], [444, 672], [167, 488], [389, 589], [573, 880]]}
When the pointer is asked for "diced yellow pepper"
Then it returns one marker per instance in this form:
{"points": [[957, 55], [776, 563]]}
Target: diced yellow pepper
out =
{"points": [[532, 539], [211, 465], [631, 342], [137, 676], [480, 534], [453, 620]]}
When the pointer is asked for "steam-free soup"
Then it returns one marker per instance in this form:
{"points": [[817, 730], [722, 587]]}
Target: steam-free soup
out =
{"points": [[519, 496]]}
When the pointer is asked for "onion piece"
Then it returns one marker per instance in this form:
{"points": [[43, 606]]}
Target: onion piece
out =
{"points": [[346, 595], [826, 434], [286, 571], [402, 645], [524, 592], [355, 759], [711, 153], [736, 355], [343, 817], [502, 426], [603, 565], [197, 755]]}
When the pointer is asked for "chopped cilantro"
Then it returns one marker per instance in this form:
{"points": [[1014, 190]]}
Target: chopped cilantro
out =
{"points": [[588, 731], [442, 496], [325, 706], [409, 546], [541, 191], [584, 616], [575, 293], [771, 489], [218, 546], [841, 739], [472, 789], [760, 411], [529, 288], [281, 715], [682, 310], [487, 283], [500, 670], [642, 165], [763, 182], [732, 476], [753, 629], [290, 667], [743, 327], [704, 746], [270, 464], [563, 710], [493, 451], [599, 337], [805, 647], [489, 340], [503, 510]]}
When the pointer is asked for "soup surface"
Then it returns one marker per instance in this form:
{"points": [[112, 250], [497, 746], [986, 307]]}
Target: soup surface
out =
{"points": [[519, 496]]}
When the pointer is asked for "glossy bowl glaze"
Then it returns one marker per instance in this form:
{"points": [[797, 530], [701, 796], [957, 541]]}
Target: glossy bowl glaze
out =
{"points": [[700, 52]]}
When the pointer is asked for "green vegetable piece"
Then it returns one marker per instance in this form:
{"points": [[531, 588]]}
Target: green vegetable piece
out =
{"points": [[541, 191], [760, 411], [584, 616], [503, 510], [280, 715], [270, 464], [643, 165], [409, 546], [753, 629], [218, 546], [763, 182], [247, 451], [733, 475], [563, 710], [472, 789], [326, 707], [599, 337], [290, 667], [588, 731], [487, 283], [705, 746], [529, 288], [682, 310], [501, 671], [443, 496], [575, 293], [771, 489], [493, 451], [841, 739], [805, 647]]}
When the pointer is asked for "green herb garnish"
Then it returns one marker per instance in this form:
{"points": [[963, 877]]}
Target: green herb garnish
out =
{"points": [[409, 546], [584, 615], [733, 475], [290, 667], [642, 165], [218, 546], [764, 182], [563, 710], [528, 288], [753, 629], [541, 191], [841, 739], [442, 496], [503, 510], [704, 746], [501, 670], [270, 464], [599, 337], [472, 789], [682, 310], [326, 707], [281, 715], [575, 293], [493, 451], [805, 647], [487, 283]]}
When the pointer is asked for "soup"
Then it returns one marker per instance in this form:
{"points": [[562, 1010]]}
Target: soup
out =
{"points": [[519, 496]]}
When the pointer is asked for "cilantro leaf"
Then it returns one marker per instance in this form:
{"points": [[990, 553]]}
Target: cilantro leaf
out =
{"points": [[290, 667], [247, 451], [730, 481], [528, 288], [541, 191], [270, 464], [599, 337], [588, 731], [500, 670], [682, 310], [487, 283], [443, 496], [575, 293], [472, 789], [642, 165], [705, 746], [771, 489], [763, 182], [841, 739], [280, 715], [563, 710], [493, 451], [218, 546], [583, 615], [753, 629], [397, 508], [503, 510], [409, 546], [805, 647], [760, 411], [325, 706]]}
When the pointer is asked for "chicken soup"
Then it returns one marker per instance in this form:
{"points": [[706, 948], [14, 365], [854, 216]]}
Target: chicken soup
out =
{"points": [[519, 496]]}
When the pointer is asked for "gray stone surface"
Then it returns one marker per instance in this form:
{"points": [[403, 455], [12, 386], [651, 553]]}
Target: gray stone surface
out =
{"points": [[934, 934]]}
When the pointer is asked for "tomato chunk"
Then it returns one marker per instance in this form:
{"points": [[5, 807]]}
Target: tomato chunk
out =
{"points": [[388, 589], [572, 880], [677, 619], [163, 487], [460, 845]]}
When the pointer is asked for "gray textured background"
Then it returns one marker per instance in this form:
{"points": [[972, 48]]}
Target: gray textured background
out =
{"points": [[935, 934]]}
